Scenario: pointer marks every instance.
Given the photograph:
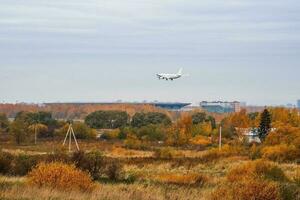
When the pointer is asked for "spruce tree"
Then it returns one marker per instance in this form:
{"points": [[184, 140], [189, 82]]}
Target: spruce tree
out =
{"points": [[265, 124]]}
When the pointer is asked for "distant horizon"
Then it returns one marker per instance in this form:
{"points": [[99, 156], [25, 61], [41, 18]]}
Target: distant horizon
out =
{"points": [[141, 102]]}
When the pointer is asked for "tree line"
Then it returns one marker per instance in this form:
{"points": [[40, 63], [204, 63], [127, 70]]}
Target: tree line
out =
{"points": [[151, 125], [196, 128]]}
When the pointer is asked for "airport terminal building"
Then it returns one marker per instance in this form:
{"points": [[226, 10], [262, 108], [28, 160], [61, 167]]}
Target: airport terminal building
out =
{"points": [[221, 106]]}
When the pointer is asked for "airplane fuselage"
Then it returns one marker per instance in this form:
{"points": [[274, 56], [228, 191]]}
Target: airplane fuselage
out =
{"points": [[168, 76]]}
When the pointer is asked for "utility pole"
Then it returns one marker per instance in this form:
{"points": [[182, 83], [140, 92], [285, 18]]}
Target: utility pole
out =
{"points": [[69, 134], [220, 138]]}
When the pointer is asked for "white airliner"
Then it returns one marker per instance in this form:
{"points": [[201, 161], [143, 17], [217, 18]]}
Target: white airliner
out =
{"points": [[170, 76]]}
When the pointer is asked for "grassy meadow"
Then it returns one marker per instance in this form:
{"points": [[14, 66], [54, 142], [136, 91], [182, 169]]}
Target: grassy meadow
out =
{"points": [[185, 174]]}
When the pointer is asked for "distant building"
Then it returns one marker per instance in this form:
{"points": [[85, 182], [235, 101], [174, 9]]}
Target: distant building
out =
{"points": [[290, 105], [170, 106], [221, 106], [298, 103], [250, 134]]}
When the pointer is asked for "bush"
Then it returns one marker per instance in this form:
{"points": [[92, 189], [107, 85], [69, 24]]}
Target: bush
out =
{"points": [[256, 169], [248, 189], [6, 160], [114, 170], [259, 180], [281, 153], [23, 163], [98, 167], [91, 162], [60, 176], [58, 155]]}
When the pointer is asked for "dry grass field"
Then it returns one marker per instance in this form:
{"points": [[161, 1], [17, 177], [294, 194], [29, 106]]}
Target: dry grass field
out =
{"points": [[190, 174], [105, 192]]}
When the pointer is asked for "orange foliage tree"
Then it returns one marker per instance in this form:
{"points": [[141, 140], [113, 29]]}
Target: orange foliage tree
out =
{"points": [[180, 132], [282, 116]]}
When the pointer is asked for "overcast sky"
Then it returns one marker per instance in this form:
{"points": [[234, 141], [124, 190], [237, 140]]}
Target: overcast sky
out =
{"points": [[105, 50]]}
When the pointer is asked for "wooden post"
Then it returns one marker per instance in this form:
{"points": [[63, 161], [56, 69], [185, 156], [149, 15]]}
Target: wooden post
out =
{"points": [[70, 137], [66, 136]]}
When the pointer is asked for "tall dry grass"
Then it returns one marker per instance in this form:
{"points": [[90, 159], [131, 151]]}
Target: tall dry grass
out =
{"points": [[190, 179], [107, 192]]}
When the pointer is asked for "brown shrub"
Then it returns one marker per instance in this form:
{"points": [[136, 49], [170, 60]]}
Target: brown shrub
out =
{"points": [[200, 140], [92, 162], [259, 180], [259, 169], [247, 189], [114, 170], [60, 176], [281, 153], [182, 179]]}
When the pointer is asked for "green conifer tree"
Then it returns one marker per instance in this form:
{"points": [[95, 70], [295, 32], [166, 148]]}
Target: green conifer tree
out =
{"points": [[265, 124]]}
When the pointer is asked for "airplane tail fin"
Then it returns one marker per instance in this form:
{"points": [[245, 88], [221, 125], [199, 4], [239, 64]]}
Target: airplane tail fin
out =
{"points": [[180, 71]]}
